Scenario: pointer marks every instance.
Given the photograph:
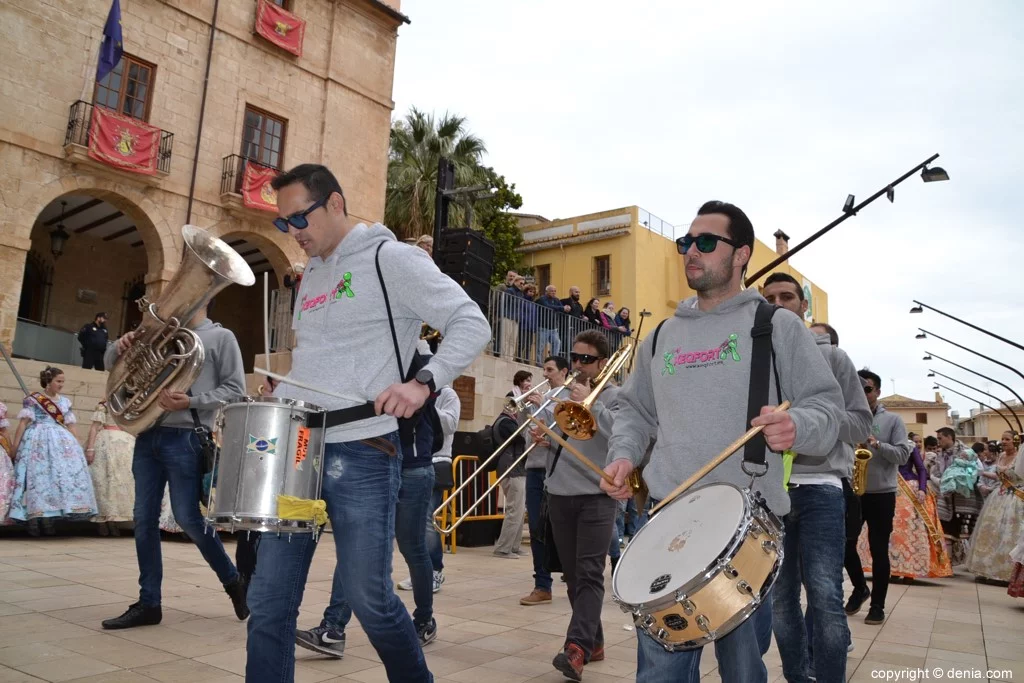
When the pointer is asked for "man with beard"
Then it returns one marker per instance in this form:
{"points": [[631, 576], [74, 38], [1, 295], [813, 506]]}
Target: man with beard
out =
{"points": [[816, 524], [690, 389]]}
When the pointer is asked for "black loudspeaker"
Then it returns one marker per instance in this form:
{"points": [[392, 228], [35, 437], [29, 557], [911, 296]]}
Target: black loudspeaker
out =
{"points": [[467, 257]]}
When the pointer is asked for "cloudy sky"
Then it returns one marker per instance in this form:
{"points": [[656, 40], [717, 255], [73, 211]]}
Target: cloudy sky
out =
{"points": [[588, 106]]}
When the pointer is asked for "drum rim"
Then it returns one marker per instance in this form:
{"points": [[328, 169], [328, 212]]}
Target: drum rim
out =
{"points": [[710, 570], [275, 400]]}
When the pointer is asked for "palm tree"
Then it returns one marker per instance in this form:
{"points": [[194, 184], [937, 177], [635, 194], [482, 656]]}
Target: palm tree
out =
{"points": [[417, 143]]}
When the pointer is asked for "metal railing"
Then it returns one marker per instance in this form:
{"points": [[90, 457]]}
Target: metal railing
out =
{"points": [[232, 172], [464, 467], [654, 224], [529, 331], [80, 121]]}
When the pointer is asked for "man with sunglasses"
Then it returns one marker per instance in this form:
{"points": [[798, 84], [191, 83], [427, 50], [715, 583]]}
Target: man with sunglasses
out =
{"points": [[890, 449], [582, 517], [689, 390], [357, 321], [815, 542]]}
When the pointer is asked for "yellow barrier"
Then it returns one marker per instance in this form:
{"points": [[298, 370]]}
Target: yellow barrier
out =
{"points": [[488, 510]]}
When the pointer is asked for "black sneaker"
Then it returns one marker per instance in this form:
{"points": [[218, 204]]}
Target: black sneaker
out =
{"points": [[427, 632], [857, 600], [237, 590], [136, 615], [322, 639], [876, 615]]}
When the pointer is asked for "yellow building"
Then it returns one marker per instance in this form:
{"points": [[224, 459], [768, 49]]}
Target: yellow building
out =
{"points": [[985, 424], [628, 256], [920, 417]]}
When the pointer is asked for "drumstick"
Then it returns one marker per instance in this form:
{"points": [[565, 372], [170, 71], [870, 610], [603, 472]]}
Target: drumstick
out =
{"points": [[266, 318], [579, 456], [301, 385], [715, 462]]}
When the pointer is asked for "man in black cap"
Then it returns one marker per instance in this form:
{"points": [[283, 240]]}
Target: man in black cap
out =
{"points": [[93, 338]]}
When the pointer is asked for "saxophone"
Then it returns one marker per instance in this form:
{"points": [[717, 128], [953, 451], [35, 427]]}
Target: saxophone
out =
{"points": [[861, 456], [164, 353]]}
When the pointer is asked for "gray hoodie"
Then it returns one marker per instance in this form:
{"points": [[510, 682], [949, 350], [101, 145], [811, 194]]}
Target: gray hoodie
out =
{"points": [[540, 456], [892, 451], [854, 420], [693, 397], [571, 477], [221, 378], [343, 338]]}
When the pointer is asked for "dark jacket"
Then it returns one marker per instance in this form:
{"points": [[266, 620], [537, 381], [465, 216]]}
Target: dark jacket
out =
{"points": [[93, 337], [504, 427]]}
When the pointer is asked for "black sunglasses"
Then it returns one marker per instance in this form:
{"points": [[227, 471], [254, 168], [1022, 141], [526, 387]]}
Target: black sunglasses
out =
{"points": [[706, 243], [583, 358], [298, 220]]}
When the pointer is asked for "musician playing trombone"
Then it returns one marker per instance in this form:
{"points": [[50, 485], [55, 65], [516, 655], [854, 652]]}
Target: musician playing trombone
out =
{"points": [[358, 279], [582, 517], [689, 388]]}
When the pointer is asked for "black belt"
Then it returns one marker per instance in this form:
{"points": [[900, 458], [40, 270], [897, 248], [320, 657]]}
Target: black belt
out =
{"points": [[333, 418]]}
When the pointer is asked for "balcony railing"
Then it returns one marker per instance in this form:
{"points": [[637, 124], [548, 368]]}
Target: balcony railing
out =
{"points": [[80, 122], [655, 224], [232, 172], [527, 332]]}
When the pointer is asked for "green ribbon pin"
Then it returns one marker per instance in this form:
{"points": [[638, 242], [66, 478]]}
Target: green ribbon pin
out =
{"points": [[345, 287], [730, 348]]}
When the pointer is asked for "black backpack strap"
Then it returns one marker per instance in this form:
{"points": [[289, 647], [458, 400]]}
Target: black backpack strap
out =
{"points": [[762, 355], [391, 320], [654, 338]]}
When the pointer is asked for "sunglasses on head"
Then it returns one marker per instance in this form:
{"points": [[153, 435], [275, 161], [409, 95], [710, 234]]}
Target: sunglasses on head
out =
{"points": [[706, 242], [583, 358], [298, 220]]}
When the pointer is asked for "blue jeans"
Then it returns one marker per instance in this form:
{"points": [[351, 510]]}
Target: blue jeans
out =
{"points": [[548, 336], [739, 654], [166, 455], [814, 551], [433, 537], [413, 498], [360, 485], [534, 496], [615, 549]]}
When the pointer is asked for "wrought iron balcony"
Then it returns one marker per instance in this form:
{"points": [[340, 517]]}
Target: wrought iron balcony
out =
{"points": [[76, 141]]}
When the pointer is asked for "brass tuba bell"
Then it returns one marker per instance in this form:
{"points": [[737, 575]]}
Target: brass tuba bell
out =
{"points": [[164, 353], [861, 456]]}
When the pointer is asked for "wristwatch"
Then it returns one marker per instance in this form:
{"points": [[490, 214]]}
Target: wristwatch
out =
{"points": [[426, 377]]}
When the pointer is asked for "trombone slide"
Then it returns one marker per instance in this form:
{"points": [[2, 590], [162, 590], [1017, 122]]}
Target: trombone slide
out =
{"points": [[579, 456]]}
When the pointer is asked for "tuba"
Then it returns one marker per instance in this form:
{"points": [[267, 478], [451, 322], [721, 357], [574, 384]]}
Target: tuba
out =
{"points": [[861, 456], [164, 353]]}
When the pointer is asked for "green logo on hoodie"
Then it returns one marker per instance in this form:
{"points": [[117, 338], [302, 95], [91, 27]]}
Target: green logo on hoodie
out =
{"points": [[344, 287]]}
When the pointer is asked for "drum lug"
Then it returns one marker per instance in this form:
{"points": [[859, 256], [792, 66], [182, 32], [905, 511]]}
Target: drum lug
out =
{"points": [[730, 571], [688, 607], [744, 588], [644, 621], [769, 547], [754, 531], [704, 625], [662, 635]]}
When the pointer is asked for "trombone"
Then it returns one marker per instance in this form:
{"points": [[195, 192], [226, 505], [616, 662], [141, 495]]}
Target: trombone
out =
{"points": [[481, 468], [515, 404]]}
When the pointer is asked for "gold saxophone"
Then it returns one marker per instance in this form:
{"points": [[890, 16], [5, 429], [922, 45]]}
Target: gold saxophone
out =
{"points": [[164, 353], [861, 456]]}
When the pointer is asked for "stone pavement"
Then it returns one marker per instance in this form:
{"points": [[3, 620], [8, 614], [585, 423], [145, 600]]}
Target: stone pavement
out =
{"points": [[55, 591]]}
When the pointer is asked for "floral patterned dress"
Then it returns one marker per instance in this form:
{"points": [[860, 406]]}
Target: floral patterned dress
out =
{"points": [[51, 477], [998, 528], [111, 470]]}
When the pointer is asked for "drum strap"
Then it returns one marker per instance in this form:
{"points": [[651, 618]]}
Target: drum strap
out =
{"points": [[762, 355]]}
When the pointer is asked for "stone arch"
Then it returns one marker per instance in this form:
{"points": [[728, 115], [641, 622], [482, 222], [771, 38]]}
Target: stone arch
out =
{"points": [[162, 244], [278, 248]]}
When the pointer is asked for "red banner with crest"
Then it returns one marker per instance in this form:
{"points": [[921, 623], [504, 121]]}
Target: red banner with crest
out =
{"points": [[122, 142], [280, 26], [256, 190]]}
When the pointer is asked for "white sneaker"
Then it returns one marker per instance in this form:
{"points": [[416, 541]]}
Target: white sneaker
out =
{"points": [[405, 585], [438, 580], [849, 648]]}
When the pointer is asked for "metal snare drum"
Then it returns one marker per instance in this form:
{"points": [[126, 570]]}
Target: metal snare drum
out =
{"points": [[700, 567], [266, 449]]}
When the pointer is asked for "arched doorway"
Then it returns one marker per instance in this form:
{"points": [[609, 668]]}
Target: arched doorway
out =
{"points": [[68, 281], [240, 309], [133, 291]]}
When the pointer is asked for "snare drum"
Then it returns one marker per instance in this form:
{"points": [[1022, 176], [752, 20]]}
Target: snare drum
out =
{"points": [[266, 449], [700, 567]]}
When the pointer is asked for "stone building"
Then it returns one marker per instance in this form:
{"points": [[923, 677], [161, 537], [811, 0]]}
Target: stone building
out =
{"points": [[79, 235]]}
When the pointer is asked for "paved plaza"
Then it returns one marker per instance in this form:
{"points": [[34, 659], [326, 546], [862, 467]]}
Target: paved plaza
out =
{"points": [[55, 591]]}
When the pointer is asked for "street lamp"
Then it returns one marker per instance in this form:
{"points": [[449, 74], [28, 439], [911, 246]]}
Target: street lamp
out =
{"points": [[919, 308], [59, 236], [969, 398], [1006, 405], [974, 372], [928, 175], [924, 335]]}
